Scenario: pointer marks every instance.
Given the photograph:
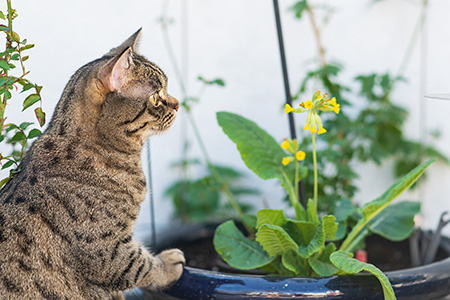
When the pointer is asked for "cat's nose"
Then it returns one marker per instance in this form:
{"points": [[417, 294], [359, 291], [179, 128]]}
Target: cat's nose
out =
{"points": [[173, 103]]}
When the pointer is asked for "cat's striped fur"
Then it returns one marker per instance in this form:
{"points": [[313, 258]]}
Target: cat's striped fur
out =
{"points": [[66, 219]]}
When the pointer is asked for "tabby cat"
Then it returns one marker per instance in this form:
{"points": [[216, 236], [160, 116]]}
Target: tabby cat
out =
{"points": [[66, 219]]}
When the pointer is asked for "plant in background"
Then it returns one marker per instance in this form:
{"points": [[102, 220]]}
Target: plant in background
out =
{"points": [[310, 244], [374, 135], [200, 198], [12, 75]]}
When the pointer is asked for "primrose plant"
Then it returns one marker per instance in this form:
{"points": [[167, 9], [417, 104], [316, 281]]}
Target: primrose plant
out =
{"points": [[308, 244]]}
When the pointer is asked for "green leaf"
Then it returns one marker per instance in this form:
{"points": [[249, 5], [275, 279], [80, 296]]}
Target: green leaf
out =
{"points": [[259, 151], [34, 133], [4, 181], [375, 207], [40, 115], [312, 214], [343, 209], [270, 217], [294, 263], [4, 65], [325, 231], [25, 125], [396, 222], [17, 137], [2, 16], [301, 232], [27, 86], [275, 240], [217, 81], [321, 263], [7, 164], [250, 220], [30, 100], [237, 250], [346, 263], [26, 47], [299, 8]]}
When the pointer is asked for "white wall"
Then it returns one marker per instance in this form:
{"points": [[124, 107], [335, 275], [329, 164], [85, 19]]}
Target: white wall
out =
{"points": [[236, 40]]}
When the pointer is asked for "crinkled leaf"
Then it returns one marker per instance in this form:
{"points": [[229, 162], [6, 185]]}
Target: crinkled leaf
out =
{"points": [[325, 231], [237, 250], [270, 217], [300, 231], [396, 222], [346, 263], [275, 240], [321, 263], [294, 263]]}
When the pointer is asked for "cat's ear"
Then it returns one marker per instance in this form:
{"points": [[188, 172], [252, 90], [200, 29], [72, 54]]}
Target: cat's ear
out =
{"points": [[115, 73], [131, 42]]}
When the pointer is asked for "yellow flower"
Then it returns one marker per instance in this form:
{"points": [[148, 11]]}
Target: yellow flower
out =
{"points": [[333, 101], [307, 127], [288, 109], [322, 130], [285, 144], [308, 104], [285, 161], [313, 129], [300, 155], [336, 108]]}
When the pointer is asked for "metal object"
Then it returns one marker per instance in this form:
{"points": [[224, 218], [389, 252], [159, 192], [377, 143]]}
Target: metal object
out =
{"points": [[150, 188], [287, 89], [438, 96]]}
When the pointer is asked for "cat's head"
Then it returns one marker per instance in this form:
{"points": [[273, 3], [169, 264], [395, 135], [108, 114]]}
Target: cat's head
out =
{"points": [[120, 99]]}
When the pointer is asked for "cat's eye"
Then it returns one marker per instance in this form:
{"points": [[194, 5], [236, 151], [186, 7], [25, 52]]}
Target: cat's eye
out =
{"points": [[154, 99]]}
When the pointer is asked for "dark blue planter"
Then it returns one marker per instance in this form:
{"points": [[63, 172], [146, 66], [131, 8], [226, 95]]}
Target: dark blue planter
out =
{"points": [[427, 282]]}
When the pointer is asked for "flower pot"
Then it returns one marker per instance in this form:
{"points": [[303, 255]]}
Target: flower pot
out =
{"points": [[426, 282]]}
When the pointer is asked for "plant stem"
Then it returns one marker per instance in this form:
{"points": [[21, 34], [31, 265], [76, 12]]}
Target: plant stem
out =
{"points": [[315, 172], [316, 30], [296, 179], [223, 186]]}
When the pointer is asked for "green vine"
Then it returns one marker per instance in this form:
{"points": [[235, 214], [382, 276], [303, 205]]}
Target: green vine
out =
{"points": [[12, 75]]}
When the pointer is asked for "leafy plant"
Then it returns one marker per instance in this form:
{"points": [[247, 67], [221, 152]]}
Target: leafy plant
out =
{"points": [[374, 135], [199, 198], [12, 60], [310, 244]]}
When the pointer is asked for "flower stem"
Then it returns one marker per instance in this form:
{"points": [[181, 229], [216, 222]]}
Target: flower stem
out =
{"points": [[315, 172]]}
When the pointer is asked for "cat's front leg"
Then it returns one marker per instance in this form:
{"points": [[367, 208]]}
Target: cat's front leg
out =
{"points": [[170, 264], [133, 266]]}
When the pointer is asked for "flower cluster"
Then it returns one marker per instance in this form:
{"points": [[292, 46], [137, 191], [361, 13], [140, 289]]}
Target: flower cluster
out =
{"points": [[318, 102], [292, 147]]}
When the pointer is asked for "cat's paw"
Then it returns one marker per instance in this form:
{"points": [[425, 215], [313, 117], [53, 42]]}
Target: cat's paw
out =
{"points": [[174, 262]]}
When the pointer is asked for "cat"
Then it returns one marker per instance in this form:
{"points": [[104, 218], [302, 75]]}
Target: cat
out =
{"points": [[66, 220]]}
